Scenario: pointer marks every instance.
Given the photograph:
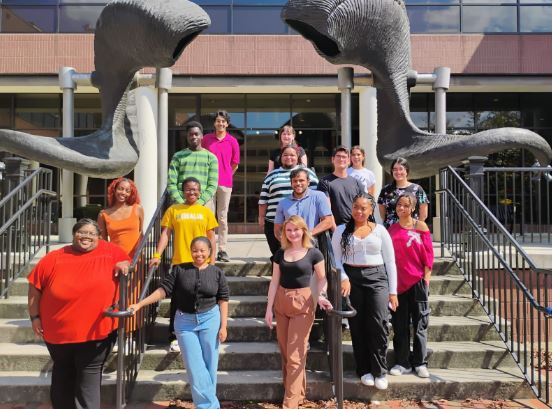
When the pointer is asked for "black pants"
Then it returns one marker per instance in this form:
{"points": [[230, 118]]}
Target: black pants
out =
{"points": [[273, 243], [77, 373], [369, 330], [413, 305]]}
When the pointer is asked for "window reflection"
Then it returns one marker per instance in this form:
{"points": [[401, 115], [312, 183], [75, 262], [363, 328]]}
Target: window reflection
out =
{"points": [[78, 19], [268, 111], [36, 111], [534, 19], [182, 108], [489, 19], [88, 112], [234, 104], [434, 19], [5, 111], [19, 19], [314, 110]]}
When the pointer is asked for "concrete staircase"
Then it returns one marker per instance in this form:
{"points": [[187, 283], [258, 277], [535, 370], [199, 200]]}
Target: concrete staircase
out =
{"points": [[467, 359]]}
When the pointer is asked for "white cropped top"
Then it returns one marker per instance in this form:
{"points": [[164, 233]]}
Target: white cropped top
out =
{"points": [[373, 250]]}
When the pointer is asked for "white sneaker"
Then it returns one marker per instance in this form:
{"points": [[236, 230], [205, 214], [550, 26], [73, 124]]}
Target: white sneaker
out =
{"points": [[174, 347], [367, 379], [399, 370], [422, 371], [381, 382]]}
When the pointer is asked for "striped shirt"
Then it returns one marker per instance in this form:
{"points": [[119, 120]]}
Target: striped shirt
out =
{"points": [[202, 165], [277, 186]]}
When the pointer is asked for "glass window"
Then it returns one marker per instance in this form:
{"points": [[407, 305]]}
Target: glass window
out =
{"points": [[28, 19], [489, 19], [268, 111], [488, 1], [5, 111], [234, 104], [182, 108], [213, 2], [102, 2], [434, 19], [460, 115], [88, 111], [258, 20], [260, 2], [37, 111], [418, 110], [78, 19], [314, 111], [536, 110], [535, 19], [535, 1], [432, 1], [318, 145], [220, 19]]}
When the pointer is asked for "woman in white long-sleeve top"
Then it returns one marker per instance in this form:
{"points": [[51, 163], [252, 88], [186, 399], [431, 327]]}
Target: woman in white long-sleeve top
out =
{"points": [[364, 251]]}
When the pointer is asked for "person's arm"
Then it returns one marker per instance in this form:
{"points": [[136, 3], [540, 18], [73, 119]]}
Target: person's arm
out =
{"points": [[326, 223], [235, 161], [213, 240], [102, 226], [141, 220], [274, 283], [161, 246], [304, 160], [270, 166], [33, 300], [262, 213], [212, 181], [279, 220], [175, 191], [338, 256], [278, 231], [321, 286], [154, 297], [223, 332], [428, 255], [372, 191], [382, 211], [422, 214], [388, 255]]}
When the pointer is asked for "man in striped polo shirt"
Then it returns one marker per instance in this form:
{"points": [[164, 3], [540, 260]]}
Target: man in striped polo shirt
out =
{"points": [[277, 186], [194, 161]]}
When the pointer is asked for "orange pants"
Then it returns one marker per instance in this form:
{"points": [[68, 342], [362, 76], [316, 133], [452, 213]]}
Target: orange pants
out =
{"points": [[294, 311]]}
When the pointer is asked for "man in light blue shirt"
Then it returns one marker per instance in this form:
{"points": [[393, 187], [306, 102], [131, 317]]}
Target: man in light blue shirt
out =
{"points": [[311, 205]]}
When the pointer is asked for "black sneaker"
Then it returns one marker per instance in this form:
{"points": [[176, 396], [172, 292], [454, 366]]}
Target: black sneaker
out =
{"points": [[222, 256]]}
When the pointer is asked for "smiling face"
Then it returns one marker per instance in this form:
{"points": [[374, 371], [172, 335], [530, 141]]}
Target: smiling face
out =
{"points": [[194, 138], [341, 160], [299, 184], [200, 252], [293, 233], [357, 158], [122, 191], [85, 239], [289, 158], [400, 173], [287, 136], [221, 124], [404, 207], [362, 209], [191, 191]]}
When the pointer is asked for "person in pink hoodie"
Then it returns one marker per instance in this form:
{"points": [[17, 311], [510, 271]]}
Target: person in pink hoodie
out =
{"points": [[414, 259]]}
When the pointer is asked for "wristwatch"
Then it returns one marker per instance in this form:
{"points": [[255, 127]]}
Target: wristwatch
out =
{"points": [[34, 317]]}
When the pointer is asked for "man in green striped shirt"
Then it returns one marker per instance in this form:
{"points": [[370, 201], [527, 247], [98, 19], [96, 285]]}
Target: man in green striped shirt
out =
{"points": [[194, 161]]}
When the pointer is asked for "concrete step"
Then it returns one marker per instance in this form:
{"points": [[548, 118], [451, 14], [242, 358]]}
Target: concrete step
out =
{"points": [[265, 355], [456, 384]]}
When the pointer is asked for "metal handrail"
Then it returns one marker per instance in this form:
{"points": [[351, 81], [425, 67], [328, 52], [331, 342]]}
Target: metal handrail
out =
{"points": [[513, 292], [134, 329], [25, 225]]}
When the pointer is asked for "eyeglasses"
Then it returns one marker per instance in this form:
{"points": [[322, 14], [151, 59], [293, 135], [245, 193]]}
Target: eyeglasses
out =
{"points": [[342, 157], [86, 234]]}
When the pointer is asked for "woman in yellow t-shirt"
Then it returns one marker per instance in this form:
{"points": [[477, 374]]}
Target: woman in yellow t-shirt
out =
{"points": [[185, 221]]}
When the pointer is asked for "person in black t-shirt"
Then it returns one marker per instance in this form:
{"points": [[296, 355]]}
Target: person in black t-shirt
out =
{"points": [[286, 138], [294, 303], [200, 292]]}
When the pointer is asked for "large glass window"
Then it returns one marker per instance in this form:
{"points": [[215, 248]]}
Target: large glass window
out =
{"points": [[534, 19], [78, 19], [270, 111], [234, 104], [38, 114], [489, 19], [29, 19], [5, 111], [88, 112], [434, 19], [258, 20], [220, 19]]}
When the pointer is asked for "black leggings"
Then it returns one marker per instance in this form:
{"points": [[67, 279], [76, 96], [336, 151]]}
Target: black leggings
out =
{"points": [[77, 373]]}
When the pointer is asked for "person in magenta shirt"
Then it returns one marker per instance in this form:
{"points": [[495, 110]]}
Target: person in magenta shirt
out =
{"points": [[414, 259], [227, 150]]}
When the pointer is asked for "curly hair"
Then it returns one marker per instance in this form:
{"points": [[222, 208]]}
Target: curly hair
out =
{"points": [[132, 199], [347, 236]]}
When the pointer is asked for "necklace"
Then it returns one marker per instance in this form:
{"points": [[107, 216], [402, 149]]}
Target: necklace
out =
{"points": [[410, 224]]}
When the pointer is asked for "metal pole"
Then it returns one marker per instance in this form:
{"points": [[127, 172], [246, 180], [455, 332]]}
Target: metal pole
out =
{"points": [[163, 83], [68, 85], [345, 85]]}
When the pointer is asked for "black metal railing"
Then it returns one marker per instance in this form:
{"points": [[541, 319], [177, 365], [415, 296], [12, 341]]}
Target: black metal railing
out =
{"points": [[141, 281], [512, 290], [25, 222], [335, 317]]}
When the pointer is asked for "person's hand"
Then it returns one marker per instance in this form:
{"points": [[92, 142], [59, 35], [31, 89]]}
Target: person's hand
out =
{"points": [[122, 267], [268, 318], [154, 262], [324, 304], [37, 327], [134, 308], [223, 333], [345, 287], [261, 221], [393, 302]]}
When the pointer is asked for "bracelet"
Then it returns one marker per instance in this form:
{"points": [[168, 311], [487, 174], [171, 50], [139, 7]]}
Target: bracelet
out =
{"points": [[323, 294], [34, 317], [156, 255]]}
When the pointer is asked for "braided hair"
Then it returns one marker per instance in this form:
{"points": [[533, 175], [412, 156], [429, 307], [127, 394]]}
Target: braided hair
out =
{"points": [[347, 236]]}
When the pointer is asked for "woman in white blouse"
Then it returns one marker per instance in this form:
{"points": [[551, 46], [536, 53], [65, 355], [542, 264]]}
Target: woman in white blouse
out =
{"points": [[364, 251]]}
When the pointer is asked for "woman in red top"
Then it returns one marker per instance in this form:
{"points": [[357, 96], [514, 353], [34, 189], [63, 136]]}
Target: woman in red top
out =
{"points": [[69, 290], [414, 260]]}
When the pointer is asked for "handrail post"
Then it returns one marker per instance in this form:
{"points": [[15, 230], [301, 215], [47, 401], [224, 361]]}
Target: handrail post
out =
{"points": [[120, 392]]}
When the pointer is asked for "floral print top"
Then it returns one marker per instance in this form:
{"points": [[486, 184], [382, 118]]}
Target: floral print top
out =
{"points": [[390, 194]]}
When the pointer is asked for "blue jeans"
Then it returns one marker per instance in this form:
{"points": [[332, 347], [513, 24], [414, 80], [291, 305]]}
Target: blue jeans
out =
{"points": [[197, 336]]}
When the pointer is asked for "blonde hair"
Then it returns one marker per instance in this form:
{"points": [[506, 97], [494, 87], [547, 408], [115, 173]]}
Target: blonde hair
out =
{"points": [[299, 222]]}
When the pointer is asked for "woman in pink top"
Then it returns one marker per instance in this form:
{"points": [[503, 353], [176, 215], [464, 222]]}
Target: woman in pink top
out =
{"points": [[414, 259]]}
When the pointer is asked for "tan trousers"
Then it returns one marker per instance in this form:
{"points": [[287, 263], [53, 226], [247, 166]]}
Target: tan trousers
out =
{"points": [[294, 311], [221, 202]]}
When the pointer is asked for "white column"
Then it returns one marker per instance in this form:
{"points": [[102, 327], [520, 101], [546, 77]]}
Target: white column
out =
{"points": [[164, 84], [145, 172], [66, 222]]}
